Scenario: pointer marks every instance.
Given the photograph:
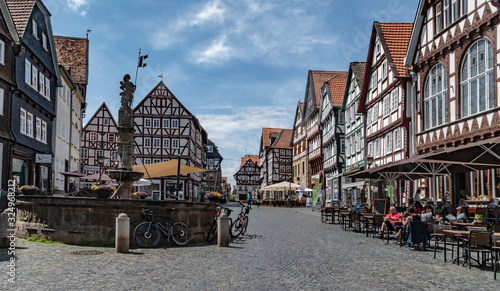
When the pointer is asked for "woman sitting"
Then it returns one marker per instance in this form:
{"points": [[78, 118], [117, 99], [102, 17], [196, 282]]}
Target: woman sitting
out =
{"points": [[410, 215], [461, 214]]}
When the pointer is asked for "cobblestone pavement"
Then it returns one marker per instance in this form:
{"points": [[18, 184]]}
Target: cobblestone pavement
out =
{"points": [[285, 249]]}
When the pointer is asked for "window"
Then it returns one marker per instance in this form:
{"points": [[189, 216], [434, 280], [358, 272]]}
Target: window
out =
{"points": [[341, 117], [105, 121], [397, 139], [436, 97], [156, 142], [446, 13], [93, 136], [47, 88], [147, 122], [2, 52], [27, 72], [34, 77], [387, 105], [395, 98], [38, 130], [370, 149], [388, 143], [369, 117], [41, 84], [156, 161], [166, 143], [375, 113], [147, 141], [175, 143], [147, 161], [342, 145], [156, 122], [34, 28], [111, 137], [29, 124], [384, 69], [2, 93], [210, 149], [377, 48], [114, 156], [439, 18], [85, 153], [99, 153], [477, 81], [374, 81], [44, 41], [166, 123], [377, 147], [175, 123]]}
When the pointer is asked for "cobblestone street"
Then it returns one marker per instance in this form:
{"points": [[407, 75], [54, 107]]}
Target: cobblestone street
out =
{"points": [[285, 249]]}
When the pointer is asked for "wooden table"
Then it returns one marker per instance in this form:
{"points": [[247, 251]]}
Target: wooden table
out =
{"points": [[462, 224], [457, 234]]}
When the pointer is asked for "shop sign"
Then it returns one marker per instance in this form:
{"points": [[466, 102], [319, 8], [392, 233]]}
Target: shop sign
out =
{"points": [[91, 168], [43, 159]]}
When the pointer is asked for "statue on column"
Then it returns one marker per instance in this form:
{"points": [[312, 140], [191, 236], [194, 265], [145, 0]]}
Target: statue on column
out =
{"points": [[128, 92]]}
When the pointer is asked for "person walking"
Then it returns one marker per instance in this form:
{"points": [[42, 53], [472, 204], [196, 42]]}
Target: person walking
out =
{"points": [[258, 200], [249, 200]]}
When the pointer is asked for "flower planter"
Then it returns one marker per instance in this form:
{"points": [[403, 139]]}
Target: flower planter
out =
{"points": [[142, 197], [30, 192], [214, 199], [103, 194]]}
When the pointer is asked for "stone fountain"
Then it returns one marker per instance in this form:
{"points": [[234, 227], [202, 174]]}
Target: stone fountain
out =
{"points": [[124, 174]]}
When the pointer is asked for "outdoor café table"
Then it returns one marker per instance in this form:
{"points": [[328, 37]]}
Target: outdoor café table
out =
{"points": [[457, 234], [462, 225]]}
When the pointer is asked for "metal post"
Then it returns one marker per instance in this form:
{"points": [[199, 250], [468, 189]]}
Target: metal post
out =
{"points": [[178, 174]]}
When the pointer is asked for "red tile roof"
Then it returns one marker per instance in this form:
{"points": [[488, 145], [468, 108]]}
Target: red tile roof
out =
{"points": [[266, 135], [255, 159], [397, 36], [318, 79], [20, 10], [73, 54], [337, 88], [284, 139]]}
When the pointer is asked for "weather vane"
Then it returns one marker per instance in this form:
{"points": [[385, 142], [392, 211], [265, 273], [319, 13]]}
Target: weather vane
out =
{"points": [[161, 76]]}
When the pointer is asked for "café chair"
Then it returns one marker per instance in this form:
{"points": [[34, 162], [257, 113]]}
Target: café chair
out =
{"points": [[496, 249], [477, 228], [478, 242], [376, 224], [418, 234]]}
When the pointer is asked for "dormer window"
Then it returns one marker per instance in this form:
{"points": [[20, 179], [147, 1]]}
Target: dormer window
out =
{"points": [[34, 28], [44, 41]]}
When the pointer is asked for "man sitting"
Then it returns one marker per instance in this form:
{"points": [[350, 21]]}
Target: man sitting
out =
{"points": [[390, 221], [427, 216]]}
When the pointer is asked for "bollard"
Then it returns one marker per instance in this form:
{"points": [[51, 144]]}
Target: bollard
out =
{"points": [[223, 230], [122, 233], [4, 225]]}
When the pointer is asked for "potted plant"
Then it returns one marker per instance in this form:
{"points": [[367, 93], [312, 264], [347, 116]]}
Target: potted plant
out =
{"points": [[29, 190], [479, 218], [103, 191], [213, 196], [140, 195], [439, 213]]}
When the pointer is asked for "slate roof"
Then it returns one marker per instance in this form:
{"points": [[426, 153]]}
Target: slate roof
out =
{"points": [[337, 88], [358, 69], [73, 54], [397, 36], [20, 10]]}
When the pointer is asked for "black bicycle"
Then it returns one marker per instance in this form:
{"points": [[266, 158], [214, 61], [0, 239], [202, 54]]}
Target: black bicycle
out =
{"points": [[148, 234], [212, 233], [241, 223]]}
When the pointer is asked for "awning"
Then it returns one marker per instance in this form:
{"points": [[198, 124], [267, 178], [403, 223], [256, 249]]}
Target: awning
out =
{"points": [[355, 184], [165, 169], [281, 186]]}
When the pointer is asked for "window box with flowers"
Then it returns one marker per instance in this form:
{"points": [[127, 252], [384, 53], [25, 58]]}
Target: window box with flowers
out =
{"points": [[103, 191], [140, 195], [30, 190], [213, 196]]}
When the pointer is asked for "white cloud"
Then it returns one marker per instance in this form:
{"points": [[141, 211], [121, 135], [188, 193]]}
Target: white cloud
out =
{"points": [[80, 6], [217, 51]]}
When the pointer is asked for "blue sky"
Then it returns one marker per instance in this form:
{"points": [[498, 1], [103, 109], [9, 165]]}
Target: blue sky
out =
{"points": [[238, 65]]}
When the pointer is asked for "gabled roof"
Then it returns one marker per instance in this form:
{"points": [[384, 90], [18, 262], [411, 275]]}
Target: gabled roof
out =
{"points": [[283, 140], [415, 34], [337, 85], [396, 37], [358, 70], [105, 108], [267, 133], [20, 10], [318, 79], [254, 158], [9, 21], [73, 53]]}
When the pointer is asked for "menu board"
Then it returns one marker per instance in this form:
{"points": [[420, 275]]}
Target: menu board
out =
{"points": [[379, 206]]}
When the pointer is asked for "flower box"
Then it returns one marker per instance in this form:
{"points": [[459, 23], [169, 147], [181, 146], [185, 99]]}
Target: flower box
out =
{"points": [[29, 190]]}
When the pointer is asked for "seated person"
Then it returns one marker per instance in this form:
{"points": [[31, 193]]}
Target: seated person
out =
{"points": [[391, 220], [461, 214], [409, 216], [418, 208], [427, 216]]}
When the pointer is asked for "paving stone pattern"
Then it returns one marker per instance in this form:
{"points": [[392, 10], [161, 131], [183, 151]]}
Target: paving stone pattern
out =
{"points": [[285, 249]]}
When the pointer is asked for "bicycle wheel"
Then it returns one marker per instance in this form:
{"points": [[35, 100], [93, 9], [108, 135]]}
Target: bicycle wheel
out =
{"points": [[147, 236], [212, 233], [181, 234], [245, 225], [236, 228]]}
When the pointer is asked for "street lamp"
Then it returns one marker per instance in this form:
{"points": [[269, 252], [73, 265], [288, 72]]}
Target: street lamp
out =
{"points": [[100, 161], [369, 161]]}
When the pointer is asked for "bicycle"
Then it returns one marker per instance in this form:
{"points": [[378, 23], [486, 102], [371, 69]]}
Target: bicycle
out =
{"points": [[212, 233], [241, 223], [148, 234]]}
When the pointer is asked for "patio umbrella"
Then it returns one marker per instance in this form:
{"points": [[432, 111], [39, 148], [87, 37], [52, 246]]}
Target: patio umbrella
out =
{"points": [[142, 182], [281, 186], [95, 177], [165, 169], [75, 174]]}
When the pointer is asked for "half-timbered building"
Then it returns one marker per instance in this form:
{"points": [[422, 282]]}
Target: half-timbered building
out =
{"points": [[275, 156], [165, 130], [383, 100], [248, 176], [301, 166], [212, 180], [8, 36], [32, 106], [99, 138], [331, 124], [453, 56], [312, 99], [354, 131]]}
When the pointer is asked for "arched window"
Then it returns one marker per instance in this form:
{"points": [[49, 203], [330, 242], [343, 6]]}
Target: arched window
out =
{"points": [[476, 80], [436, 97]]}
